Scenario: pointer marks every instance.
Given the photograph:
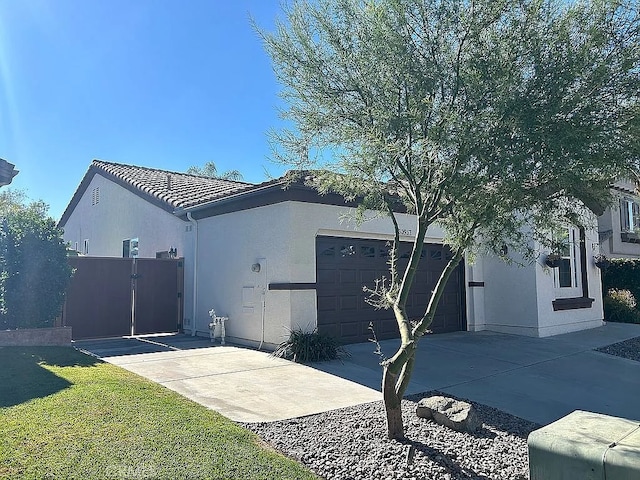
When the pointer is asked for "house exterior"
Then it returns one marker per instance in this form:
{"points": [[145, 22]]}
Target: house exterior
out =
{"points": [[121, 210], [278, 256], [619, 226]]}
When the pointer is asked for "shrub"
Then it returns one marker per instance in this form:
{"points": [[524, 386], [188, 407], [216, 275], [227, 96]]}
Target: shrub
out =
{"points": [[620, 306], [34, 269], [312, 346], [622, 274]]}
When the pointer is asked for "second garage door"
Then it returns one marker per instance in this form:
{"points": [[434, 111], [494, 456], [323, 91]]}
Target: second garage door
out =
{"points": [[345, 265]]}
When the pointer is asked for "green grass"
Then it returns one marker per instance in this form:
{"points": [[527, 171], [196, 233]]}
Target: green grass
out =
{"points": [[66, 415]]}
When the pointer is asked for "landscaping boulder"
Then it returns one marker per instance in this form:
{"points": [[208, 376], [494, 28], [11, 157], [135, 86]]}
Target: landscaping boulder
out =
{"points": [[452, 413]]}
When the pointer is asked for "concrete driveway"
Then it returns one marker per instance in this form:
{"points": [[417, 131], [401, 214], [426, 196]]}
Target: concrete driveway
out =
{"points": [[242, 384], [537, 379]]}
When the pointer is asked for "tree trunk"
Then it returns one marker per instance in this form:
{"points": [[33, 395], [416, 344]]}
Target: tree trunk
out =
{"points": [[392, 405]]}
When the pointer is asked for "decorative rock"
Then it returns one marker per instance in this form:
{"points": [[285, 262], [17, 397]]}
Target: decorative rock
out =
{"points": [[455, 414]]}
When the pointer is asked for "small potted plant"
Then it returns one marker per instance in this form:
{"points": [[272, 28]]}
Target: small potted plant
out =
{"points": [[552, 260], [601, 261]]}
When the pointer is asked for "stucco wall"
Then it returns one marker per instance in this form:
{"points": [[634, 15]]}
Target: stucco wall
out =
{"points": [[613, 246], [510, 297], [121, 215], [281, 237], [564, 321]]}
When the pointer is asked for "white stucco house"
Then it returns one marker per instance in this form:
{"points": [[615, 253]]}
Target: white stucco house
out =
{"points": [[277, 256]]}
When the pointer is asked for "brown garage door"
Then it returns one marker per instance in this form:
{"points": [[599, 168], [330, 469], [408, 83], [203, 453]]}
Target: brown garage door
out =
{"points": [[345, 265]]}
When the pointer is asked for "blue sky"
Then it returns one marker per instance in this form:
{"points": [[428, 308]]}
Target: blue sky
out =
{"points": [[158, 83]]}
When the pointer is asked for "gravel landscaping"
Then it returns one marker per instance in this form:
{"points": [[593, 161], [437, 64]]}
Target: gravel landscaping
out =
{"points": [[628, 349], [351, 444]]}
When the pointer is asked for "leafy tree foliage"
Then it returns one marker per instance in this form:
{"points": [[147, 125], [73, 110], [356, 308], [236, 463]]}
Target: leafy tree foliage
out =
{"points": [[498, 120], [210, 170], [34, 270]]}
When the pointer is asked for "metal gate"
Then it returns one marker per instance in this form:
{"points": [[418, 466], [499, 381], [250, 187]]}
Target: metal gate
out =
{"points": [[112, 297]]}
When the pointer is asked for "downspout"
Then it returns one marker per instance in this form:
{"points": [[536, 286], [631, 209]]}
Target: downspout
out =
{"points": [[195, 273], [263, 262], [264, 293]]}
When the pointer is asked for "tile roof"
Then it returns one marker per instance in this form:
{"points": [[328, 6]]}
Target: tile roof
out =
{"points": [[179, 190], [169, 190]]}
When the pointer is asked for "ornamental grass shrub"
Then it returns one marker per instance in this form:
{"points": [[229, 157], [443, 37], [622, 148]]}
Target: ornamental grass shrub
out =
{"points": [[304, 347]]}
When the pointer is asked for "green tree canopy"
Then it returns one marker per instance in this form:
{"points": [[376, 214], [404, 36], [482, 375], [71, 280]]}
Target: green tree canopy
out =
{"points": [[496, 119], [210, 170], [34, 270]]}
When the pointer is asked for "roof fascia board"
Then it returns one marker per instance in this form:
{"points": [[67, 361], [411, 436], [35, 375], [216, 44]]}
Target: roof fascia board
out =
{"points": [[268, 195]]}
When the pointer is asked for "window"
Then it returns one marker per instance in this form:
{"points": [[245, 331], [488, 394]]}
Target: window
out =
{"points": [[130, 248], [568, 277], [630, 220], [85, 247], [367, 252], [347, 250], [566, 273]]}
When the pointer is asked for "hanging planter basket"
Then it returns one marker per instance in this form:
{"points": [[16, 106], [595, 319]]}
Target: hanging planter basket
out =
{"points": [[602, 262], [552, 260]]}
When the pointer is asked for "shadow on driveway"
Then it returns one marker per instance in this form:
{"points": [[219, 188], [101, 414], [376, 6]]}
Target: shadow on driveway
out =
{"points": [[114, 347], [538, 379]]}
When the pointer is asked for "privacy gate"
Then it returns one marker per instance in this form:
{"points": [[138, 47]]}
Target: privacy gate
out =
{"points": [[112, 297]]}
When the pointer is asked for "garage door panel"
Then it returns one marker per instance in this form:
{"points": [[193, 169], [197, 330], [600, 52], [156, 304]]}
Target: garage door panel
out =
{"points": [[421, 277], [347, 276], [325, 276], [348, 302], [344, 266], [438, 323], [327, 304], [368, 277], [422, 299], [350, 329]]}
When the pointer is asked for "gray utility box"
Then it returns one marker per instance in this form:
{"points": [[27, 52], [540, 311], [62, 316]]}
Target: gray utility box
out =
{"points": [[586, 446]]}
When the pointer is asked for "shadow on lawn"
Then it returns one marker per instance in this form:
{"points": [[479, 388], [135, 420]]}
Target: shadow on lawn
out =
{"points": [[22, 377]]}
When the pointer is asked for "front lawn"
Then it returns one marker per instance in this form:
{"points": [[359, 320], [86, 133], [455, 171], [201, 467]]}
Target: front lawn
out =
{"points": [[66, 415]]}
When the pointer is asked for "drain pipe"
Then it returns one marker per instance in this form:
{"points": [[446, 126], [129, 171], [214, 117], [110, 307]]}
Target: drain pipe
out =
{"points": [[264, 293], [194, 222], [263, 262]]}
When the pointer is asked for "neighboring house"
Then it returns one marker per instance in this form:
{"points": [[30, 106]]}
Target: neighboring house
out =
{"points": [[7, 172], [278, 256], [619, 226]]}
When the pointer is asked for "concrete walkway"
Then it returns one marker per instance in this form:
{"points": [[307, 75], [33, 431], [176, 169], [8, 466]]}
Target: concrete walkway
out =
{"points": [[537, 379]]}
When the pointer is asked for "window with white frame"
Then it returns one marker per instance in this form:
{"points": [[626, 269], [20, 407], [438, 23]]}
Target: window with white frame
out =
{"points": [[130, 248], [568, 276], [85, 247], [629, 218]]}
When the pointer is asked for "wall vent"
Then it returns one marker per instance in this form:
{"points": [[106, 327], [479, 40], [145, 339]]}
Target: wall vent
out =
{"points": [[95, 196]]}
